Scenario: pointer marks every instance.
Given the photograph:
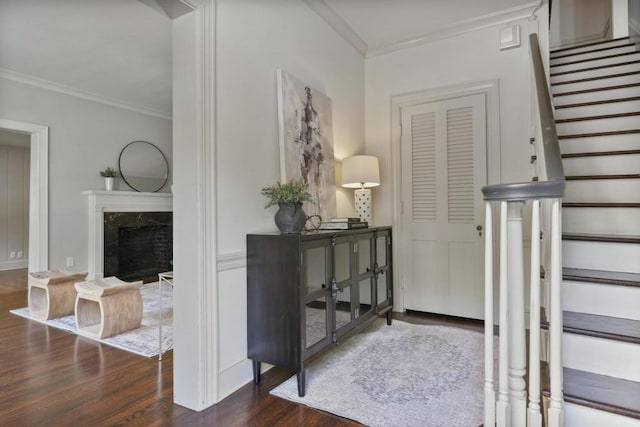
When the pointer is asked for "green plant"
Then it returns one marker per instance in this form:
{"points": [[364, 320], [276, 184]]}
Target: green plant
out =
{"points": [[109, 173], [294, 191]]}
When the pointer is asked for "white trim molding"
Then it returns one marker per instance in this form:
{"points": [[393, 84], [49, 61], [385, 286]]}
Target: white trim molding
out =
{"points": [[398, 102], [78, 93], [339, 25], [100, 202], [38, 192]]}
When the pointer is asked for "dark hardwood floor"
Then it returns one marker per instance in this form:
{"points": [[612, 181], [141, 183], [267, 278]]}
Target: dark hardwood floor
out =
{"points": [[49, 377]]}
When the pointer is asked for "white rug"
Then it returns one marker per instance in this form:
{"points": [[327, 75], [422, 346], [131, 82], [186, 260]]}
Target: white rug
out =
{"points": [[142, 341], [399, 375]]}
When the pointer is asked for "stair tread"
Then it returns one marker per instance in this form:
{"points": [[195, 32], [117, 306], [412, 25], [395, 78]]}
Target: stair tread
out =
{"points": [[599, 153], [592, 134], [599, 117], [586, 52], [601, 276], [598, 67], [580, 61], [610, 238], [596, 391], [564, 49], [591, 79], [618, 176], [596, 325], [601, 204], [596, 89], [604, 101]]}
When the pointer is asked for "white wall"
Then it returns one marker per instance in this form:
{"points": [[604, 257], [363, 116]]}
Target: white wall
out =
{"points": [[579, 21], [14, 206], [84, 138], [254, 39]]}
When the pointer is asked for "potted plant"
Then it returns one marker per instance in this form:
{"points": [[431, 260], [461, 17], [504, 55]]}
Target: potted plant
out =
{"points": [[290, 217], [109, 175]]}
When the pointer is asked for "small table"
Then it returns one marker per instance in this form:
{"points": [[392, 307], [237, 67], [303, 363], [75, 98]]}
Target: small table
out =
{"points": [[166, 277]]}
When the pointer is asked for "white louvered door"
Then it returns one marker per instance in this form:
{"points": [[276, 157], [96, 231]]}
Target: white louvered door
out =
{"points": [[444, 162]]}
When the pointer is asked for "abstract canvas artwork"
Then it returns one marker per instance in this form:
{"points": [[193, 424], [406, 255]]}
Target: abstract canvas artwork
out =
{"points": [[306, 143]]}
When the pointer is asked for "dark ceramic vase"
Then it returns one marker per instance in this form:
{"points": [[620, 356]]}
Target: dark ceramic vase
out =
{"points": [[290, 218]]}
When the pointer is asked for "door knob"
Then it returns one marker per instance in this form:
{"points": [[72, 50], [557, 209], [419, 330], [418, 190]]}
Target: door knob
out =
{"points": [[479, 228]]}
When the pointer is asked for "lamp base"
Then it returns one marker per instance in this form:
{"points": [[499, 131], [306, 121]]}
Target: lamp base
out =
{"points": [[363, 204]]}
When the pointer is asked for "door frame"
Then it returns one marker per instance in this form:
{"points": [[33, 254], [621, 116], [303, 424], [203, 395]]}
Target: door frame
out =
{"points": [[38, 191], [490, 88]]}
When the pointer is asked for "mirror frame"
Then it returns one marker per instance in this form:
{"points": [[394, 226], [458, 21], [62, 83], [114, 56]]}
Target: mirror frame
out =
{"points": [[166, 162]]}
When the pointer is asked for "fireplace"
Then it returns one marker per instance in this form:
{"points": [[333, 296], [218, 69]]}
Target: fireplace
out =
{"points": [[137, 245], [130, 234]]}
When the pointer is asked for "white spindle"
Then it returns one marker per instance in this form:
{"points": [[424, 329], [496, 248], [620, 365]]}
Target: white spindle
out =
{"points": [[503, 411], [534, 418], [556, 417], [517, 340], [489, 390]]}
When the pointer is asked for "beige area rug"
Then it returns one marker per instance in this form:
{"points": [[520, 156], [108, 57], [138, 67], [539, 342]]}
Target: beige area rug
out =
{"points": [[399, 375], [144, 340]]}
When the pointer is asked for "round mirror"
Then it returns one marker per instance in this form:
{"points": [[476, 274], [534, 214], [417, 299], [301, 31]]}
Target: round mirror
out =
{"points": [[143, 166]]}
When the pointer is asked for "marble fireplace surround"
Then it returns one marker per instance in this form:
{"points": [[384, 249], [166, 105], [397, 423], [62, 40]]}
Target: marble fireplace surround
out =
{"points": [[100, 202]]}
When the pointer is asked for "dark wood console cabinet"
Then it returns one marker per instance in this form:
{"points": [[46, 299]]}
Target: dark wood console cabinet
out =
{"points": [[306, 291]]}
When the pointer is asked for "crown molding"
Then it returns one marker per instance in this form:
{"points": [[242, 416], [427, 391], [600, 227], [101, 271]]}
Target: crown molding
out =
{"points": [[523, 11], [78, 93], [339, 25]]}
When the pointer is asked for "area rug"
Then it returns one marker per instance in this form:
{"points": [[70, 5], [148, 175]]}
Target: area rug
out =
{"points": [[399, 375], [144, 340]]}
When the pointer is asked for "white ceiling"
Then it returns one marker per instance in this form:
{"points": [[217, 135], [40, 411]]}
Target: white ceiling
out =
{"points": [[119, 51]]}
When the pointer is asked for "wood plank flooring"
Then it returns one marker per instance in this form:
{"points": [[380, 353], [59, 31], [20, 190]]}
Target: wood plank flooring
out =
{"points": [[52, 378]]}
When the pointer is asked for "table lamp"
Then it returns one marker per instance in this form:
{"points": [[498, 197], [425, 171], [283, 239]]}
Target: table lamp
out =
{"points": [[361, 172]]}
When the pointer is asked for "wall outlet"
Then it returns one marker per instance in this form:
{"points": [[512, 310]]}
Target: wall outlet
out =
{"points": [[69, 261], [12, 255], [19, 254]]}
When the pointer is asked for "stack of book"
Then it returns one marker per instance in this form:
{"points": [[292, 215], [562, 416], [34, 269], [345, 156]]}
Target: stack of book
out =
{"points": [[344, 223]]}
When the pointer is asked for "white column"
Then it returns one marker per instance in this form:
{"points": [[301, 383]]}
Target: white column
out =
{"points": [[503, 411], [517, 345], [489, 390], [534, 418], [556, 416]]}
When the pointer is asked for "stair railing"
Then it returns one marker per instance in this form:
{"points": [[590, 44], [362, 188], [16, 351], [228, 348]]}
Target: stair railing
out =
{"points": [[511, 407]]}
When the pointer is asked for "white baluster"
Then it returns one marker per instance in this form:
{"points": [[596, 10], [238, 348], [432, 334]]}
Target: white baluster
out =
{"points": [[534, 418], [517, 341], [556, 416], [489, 390], [503, 410]]}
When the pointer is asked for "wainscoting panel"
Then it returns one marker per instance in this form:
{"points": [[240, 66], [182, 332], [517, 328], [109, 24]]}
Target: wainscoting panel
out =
{"points": [[14, 207]]}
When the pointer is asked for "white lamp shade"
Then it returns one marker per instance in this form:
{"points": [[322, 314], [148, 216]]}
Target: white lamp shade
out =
{"points": [[360, 172]]}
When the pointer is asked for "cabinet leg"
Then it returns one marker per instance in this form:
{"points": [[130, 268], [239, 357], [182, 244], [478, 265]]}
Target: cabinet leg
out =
{"points": [[389, 317], [256, 371], [302, 376]]}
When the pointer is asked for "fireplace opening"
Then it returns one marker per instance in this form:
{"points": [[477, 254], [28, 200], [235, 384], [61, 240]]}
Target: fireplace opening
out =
{"points": [[138, 245]]}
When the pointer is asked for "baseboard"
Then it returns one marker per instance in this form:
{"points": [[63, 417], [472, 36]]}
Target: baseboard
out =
{"points": [[14, 265], [236, 376]]}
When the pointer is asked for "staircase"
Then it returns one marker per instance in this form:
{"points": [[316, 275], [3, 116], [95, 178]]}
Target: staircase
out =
{"points": [[596, 92]]}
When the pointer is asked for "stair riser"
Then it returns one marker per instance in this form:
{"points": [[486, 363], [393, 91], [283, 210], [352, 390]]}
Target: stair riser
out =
{"points": [[588, 48], [603, 190], [601, 299], [606, 256], [601, 220], [597, 96], [597, 110], [601, 356], [591, 55], [602, 165], [600, 143], [599, 125], [595, 73], [592, 84], [595, 63], [582, 416]]}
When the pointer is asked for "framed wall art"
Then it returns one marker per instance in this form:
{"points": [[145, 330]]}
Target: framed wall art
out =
{"points": [[306, 142]]}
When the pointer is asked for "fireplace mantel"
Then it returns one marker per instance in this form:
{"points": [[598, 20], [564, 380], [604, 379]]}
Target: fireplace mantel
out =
{"points": [[100, 202]]}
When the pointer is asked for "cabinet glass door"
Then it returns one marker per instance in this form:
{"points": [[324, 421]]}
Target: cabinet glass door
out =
{"points": [[383, 255], [316, 321], [365, 275], [314, 269]]}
